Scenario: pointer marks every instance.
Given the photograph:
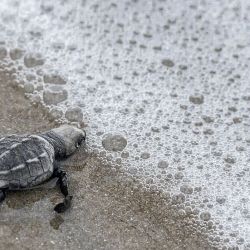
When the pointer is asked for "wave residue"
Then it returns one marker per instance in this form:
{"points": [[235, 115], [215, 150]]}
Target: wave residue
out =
{"points": [[163, 86]]}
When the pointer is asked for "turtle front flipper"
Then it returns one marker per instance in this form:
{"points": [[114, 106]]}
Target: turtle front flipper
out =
{"points": [[63, 183], [63, 206]]}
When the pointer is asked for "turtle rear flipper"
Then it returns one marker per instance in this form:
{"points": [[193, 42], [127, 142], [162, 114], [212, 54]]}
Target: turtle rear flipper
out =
{"points": [[2, 195], [3, 186]]}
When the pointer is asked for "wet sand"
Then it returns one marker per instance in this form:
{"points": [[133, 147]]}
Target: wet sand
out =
{"points": [[108, 211]]}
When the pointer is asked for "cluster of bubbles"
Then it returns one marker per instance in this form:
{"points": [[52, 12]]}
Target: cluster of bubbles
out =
{"points": [[163, 86]]}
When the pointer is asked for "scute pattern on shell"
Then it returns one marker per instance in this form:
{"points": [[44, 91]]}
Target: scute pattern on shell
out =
{"points": [[25, 161]]}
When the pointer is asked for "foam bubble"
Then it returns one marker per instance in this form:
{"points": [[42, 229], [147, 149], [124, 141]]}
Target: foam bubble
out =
{"points": [[16, 54], [74, 114], [114, 142], [33, 60], [53, 78], [28, 87], [54, 95]]}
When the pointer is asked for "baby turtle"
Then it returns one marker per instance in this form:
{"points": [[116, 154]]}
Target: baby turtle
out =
{"points": [[27, 161]]}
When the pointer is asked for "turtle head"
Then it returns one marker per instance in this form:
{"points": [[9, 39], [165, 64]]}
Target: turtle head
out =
{"points": [[72, 137]]}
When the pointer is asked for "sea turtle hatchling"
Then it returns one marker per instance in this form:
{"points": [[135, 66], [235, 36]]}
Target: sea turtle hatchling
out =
{"points": [[27, 161]]}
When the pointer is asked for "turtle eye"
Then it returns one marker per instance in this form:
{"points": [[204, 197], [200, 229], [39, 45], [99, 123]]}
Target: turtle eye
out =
{"points": [[80, 141]]}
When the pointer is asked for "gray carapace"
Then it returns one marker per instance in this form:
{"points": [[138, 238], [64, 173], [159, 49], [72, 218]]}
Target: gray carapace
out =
{"points": [[27, 161]]}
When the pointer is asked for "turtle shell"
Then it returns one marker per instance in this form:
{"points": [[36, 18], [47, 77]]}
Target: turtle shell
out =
{"points": [[25, 161]]}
